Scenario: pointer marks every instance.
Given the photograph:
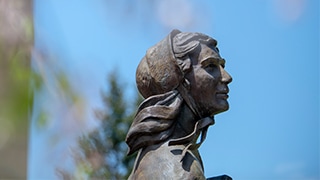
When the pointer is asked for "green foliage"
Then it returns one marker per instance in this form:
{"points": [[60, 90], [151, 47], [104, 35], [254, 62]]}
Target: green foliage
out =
{"points": [[104, 149]]}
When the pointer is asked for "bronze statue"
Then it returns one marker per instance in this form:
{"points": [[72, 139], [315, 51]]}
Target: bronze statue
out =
{"points": [[184, 82]]}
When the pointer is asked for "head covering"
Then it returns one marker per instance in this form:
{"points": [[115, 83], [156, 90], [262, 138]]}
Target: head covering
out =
{"points": [[158, 72]]}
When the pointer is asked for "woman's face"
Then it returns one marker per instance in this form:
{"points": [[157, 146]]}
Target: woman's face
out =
{"points": [[209, 81]]}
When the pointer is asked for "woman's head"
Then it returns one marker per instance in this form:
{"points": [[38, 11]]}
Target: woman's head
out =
{"points": [[165, 64]]}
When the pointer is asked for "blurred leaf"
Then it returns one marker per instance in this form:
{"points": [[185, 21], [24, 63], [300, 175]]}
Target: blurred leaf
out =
{"points": [[66, 88], [42, 119]]}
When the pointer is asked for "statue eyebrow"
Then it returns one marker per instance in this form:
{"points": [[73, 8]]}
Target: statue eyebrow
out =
{"points": [[212, 60]]}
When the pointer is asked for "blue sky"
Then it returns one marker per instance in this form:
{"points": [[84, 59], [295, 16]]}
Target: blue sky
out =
{"points": [[272, 51]]}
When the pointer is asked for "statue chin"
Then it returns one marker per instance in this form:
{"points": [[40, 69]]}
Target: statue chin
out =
{"points": [[222, 109]]}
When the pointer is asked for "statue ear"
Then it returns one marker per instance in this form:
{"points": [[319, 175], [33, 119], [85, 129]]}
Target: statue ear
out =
{"points": [[184, 64]]}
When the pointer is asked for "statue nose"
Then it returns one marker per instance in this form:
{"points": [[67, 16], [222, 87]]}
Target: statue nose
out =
{"points": [[225, 76]]}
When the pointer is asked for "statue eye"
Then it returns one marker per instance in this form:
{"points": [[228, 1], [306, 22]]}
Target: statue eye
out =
{"points": [[211, 66]]}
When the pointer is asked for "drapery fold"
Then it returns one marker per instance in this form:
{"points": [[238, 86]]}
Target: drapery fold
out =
{"points": [[154, 121]]}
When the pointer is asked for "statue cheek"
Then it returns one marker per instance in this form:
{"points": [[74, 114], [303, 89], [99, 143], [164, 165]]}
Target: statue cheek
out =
{"points": [[209, 82]]}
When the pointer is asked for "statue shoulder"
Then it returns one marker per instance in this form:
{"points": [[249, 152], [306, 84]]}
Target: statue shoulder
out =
{"points": [[166, 162]]}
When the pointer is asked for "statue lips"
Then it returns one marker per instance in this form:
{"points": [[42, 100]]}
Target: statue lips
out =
{"points": [[223, 94]]}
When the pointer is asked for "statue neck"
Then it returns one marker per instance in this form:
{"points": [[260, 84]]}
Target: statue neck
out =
{"points": [[185, 122], [190, 129]]}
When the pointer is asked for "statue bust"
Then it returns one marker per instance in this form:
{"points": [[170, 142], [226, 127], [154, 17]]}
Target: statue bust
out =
{"points": [[184, 83]]}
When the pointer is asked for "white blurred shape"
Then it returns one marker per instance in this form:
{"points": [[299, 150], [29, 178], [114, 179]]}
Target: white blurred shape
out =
{"points": [[289, 10], [175, 14]]}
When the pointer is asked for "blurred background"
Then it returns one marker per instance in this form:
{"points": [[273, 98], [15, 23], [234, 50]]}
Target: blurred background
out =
{"points": [[16, 97], [68, 95]]}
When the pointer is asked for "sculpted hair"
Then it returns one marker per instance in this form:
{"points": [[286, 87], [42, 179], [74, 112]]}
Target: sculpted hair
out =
{"points": [[155, 121], [185, 44]]}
